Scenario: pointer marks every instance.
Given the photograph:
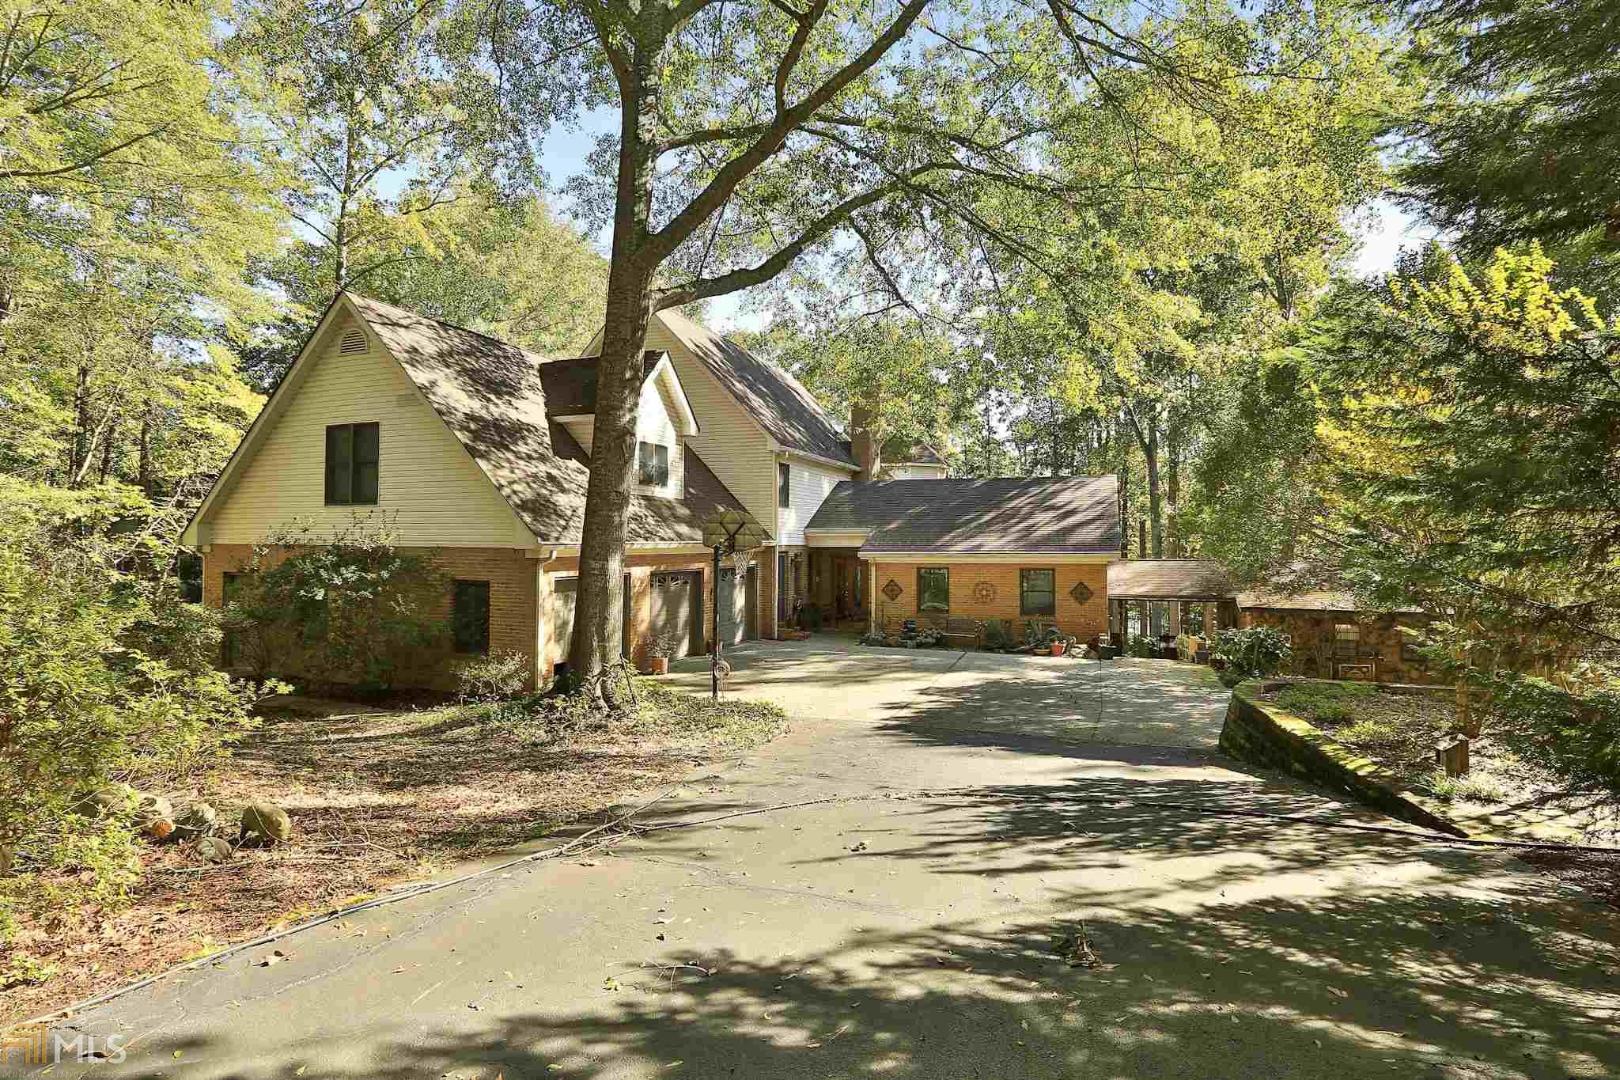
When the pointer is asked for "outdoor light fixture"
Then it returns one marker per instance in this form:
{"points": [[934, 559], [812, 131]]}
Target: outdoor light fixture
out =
{"points": [[728, 532]]}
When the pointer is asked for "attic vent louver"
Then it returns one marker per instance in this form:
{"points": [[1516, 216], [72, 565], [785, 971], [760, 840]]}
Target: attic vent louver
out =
{"points": [[352, 342]]}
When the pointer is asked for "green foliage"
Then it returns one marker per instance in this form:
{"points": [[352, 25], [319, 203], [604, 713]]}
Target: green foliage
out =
{"points": [[1472, 787], [1329, 703], [997, 638], [349, 609], [497, 677], [1516, 142], [104, 677], [1253, 652], [1141, 646], [1576, 733]]}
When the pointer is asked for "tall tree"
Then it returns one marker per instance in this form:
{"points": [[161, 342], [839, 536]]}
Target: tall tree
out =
{"points": [[1517, 141], [131, 207], [752, 134]]}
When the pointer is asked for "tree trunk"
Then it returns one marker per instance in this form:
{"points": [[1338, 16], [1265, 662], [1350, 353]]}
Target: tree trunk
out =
{"points": [[599, 609], [1172, 490], [1150, 451], [145, 473]]}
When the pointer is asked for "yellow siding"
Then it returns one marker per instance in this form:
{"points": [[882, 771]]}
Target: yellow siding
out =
{"points": [[430, 492], [729, 442]]}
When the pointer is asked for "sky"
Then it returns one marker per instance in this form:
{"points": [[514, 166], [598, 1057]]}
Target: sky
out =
{"points": [[1382, 229]]}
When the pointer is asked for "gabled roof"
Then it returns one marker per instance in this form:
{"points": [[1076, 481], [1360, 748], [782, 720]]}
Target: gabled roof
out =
{"points": [[1045, 514], [491, 396], [774, 399], [570, 385], [1169, 579]]}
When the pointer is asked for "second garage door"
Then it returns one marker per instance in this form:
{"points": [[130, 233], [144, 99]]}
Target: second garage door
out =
{"points": [[737, 605], [676, 617]]}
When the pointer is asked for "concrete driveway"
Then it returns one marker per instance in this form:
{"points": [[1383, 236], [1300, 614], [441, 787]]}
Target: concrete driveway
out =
{"points": [[993, 867]]}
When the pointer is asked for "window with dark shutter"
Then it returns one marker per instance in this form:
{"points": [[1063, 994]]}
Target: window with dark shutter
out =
{"points": [[652, 464], [782, 484], [469, 617], [1037, 592], [933, 588], [353, 452]]}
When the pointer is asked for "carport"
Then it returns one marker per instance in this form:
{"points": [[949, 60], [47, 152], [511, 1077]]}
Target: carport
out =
{"points": [[1151, 597]]}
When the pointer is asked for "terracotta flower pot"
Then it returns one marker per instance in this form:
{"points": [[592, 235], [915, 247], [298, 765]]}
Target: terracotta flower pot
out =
{"points": [[1059, 648], [658, 665]]}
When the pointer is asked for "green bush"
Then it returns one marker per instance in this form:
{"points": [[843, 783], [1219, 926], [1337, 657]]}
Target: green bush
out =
{"points": [[997, 638], [1255, 652], [349, 609], [1141, 646], [499, 676], [1575, 734], [105, 678]]}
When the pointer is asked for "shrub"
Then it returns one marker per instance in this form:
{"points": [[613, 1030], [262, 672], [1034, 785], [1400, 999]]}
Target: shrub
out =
{"points": [[1254, 652], [997, 638], [1139, 646], [810, 618], [349, 609], [497, 677], [1574, 733], [104, 678]]}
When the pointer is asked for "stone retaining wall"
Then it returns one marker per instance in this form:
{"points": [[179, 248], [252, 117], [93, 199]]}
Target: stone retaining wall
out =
{"points": [[1262, 734]]}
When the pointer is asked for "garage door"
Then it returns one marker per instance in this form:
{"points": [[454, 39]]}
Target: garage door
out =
{"points": [[736, 605], [564, 598], [676, 622]]}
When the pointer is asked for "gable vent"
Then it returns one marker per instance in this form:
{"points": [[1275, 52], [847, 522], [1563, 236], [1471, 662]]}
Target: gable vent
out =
{"points": [[352, 342]]}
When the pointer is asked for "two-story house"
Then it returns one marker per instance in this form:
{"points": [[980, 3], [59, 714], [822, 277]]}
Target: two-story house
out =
{"points": [[478, 450]]}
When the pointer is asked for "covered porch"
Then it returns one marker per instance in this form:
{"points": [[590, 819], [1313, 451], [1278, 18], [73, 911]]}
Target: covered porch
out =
{"points": [[837, 582], [1165, 598]]}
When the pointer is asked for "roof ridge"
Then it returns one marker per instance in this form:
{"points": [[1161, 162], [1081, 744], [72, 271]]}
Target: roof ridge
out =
{"points": [[453, 326]]}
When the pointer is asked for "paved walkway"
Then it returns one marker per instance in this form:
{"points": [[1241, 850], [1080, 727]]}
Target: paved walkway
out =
{"points": [[1009, 882]]}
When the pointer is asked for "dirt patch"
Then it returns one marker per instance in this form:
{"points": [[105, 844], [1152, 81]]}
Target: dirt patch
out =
{"points": [[377, 797]]}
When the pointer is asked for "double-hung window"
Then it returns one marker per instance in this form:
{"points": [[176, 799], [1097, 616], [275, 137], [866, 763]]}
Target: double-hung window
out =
{"points": [[652, 464], [351, 464], [933, 588], [1037, 593]]}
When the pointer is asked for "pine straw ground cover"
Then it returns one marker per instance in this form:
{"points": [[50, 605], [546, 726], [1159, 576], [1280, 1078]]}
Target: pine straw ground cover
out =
{"points": [[376, 797]]}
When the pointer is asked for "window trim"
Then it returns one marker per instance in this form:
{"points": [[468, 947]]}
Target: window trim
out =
{"points": [[641, 461], [921, 570], [1023, 606], [784, 474], [456, 585], [355, 465]]}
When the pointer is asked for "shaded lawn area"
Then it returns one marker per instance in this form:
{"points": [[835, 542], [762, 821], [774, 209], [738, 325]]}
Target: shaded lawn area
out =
{"points": [[377, 797]]}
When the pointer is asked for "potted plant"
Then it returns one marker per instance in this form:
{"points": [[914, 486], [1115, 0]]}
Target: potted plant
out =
{"points": [[662, 648], [1059, 646]]}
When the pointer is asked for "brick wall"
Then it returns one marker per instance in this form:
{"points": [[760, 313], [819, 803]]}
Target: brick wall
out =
{"points": [[512, 599], [1313, 635], [980, 590]]}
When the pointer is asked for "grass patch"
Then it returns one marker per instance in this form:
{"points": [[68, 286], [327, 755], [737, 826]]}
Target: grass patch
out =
{"points": [[1327, 703], [1475, 787]]}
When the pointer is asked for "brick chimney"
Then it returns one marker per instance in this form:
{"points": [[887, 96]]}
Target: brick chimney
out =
{"points": [[864, 447]]}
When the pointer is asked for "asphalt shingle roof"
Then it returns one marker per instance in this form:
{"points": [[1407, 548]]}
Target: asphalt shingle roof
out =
{"points": [[1053, 514], [775, 400], [492, 396], [1169, 579]]}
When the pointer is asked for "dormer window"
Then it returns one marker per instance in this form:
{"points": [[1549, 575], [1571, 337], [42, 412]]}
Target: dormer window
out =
{"points": [[652, 464]]}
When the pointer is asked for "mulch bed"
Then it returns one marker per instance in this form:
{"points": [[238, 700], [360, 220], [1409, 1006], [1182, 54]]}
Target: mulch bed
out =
{"points": [[376, 797]]}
